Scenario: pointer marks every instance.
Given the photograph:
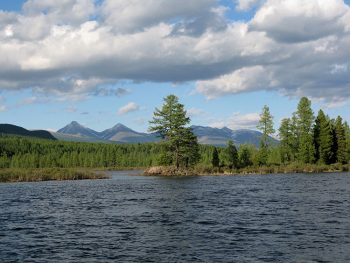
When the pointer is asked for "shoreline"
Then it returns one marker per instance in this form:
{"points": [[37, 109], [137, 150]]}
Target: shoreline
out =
{"points": [[209, 171], [18, 175]]}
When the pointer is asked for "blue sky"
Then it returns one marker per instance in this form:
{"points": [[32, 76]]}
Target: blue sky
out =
{"points": [[107, 62]]}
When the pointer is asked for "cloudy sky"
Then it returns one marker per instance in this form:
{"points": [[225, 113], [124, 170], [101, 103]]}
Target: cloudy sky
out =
{"points": [[101, 62]]}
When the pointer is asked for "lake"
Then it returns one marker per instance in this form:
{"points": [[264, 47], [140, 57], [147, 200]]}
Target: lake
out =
{"points": [[270, 218]]}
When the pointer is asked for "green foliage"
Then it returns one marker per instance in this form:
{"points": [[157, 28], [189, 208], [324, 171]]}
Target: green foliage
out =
{"points": [[215, 161], [229, 156], [170, 123], [245, 155], [323, 138], [286, 141], [305, 118], [274, 157], [265, 125], [340, 141]]}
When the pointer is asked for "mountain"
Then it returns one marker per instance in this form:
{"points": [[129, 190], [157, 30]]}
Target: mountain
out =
{"points": [[117, 134], [17, 130], [122, 134], [220, 136], [76, 129]]}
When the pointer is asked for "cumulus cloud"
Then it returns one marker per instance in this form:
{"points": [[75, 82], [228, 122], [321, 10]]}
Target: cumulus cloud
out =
{"points": [[244, 5], [241, 80], [294, 21], [134, 15], [73, 49], [130, 107], [238, 121]]}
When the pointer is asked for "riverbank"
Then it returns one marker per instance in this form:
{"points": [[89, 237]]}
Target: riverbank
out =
{"points": [[49, 174], [261, 170]]}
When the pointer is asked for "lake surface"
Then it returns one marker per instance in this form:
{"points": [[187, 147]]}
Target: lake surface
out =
{"points": [[272, 218]]}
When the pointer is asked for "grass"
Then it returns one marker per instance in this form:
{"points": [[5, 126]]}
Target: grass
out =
{"points": [[48, 174], [272, 169]]}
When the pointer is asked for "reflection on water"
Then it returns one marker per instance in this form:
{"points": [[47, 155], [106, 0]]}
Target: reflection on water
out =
{"points": [[274, 218]]}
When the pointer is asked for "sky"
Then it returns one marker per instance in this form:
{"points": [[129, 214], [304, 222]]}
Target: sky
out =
{"points": [[103, 62]]}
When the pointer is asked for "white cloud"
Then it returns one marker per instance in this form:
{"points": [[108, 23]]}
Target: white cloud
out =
{"points": [[238, 121], [134, 15], [299, 20], [73, 49], [339, 68], [245, 5], [130, 107], [241, 80]]}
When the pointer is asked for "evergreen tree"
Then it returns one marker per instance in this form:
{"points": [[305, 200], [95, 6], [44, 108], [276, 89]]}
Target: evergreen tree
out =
{"points": [[215, 161], [286, 140], [305, 118], [232, 155], [245, 155], [170, 123], [265, 125], [341, 141], [347, 140], [323, 138]]}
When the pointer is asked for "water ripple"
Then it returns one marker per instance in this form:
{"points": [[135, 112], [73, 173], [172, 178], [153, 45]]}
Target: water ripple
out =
{"points": [[286, 218]]}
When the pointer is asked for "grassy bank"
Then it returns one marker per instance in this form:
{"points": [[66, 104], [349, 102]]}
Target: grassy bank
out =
{"points": [[207, 170], [48, 174]]}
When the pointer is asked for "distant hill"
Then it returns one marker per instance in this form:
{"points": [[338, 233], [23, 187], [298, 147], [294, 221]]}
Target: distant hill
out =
{"points": [[122, 134], [17, 130], [220, 136]]}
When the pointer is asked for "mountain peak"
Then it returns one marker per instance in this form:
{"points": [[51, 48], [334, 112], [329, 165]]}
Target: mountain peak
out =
{"points": [[75, 123], [74, 128], [120, 126]]}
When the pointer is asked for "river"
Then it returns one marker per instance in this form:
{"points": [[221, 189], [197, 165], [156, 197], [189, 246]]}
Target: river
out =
{"points": [[270, 218]]}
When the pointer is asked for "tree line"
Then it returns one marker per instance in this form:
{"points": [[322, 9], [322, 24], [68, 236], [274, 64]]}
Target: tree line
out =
{"points": [[304, 139]]}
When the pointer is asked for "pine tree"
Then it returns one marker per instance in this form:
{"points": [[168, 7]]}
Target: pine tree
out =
{"points": [[265, 125], [341, 141], [323, 138], [215, 161], [305, 118], [347, 140], [245, 155], [170, 123], [230, 155], [286, 140]]}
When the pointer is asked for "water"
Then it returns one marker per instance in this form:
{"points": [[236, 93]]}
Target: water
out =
{"points": [[273, 218]]}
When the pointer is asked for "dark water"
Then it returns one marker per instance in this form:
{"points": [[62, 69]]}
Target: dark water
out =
{"points": [[275, 218]]}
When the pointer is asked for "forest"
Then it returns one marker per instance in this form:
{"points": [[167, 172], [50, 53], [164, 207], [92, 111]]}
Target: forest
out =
{"points": [[304, 139]]}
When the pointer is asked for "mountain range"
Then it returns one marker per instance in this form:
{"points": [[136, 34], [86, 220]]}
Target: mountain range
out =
{"points": [[13, 129], [122, 134]]}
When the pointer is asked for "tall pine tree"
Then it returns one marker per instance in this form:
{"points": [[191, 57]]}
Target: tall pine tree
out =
{"points": [[305, 118], [265, 125], [286, 140], [323, 138], [170, 123], [341, 141]]}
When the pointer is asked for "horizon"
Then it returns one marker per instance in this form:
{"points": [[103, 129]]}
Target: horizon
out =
{"points": [[111, 62]]}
